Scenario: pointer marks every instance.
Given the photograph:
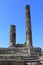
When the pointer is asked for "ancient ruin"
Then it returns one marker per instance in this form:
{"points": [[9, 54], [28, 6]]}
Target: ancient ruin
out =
{"points": [[21, 54]]}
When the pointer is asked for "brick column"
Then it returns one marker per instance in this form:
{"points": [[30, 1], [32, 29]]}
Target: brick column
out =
{"points": [[12, 35], [28, 27]]}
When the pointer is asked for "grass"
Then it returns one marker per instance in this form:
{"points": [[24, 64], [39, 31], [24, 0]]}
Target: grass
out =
{"points": [[8, 54]]}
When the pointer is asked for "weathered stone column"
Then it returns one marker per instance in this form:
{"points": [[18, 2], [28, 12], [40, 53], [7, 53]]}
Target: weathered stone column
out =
{"points": [[28, 27], [12, 35]]}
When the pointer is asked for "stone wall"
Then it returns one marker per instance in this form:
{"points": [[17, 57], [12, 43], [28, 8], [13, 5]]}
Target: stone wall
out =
{"points": [[12, 63]]}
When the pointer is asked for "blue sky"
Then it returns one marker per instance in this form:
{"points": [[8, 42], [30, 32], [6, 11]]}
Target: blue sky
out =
{"points": [[13, 12]]}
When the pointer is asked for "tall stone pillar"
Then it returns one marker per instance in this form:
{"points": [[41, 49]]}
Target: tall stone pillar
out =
{"points": [[28, 27], [12, 35]]}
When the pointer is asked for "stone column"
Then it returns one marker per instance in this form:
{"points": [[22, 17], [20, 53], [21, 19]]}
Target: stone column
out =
{"points": [[12, 35], [28, 27]]}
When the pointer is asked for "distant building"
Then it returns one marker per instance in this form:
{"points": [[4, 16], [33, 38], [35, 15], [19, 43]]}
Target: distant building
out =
{"points": [[21, 54]]}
